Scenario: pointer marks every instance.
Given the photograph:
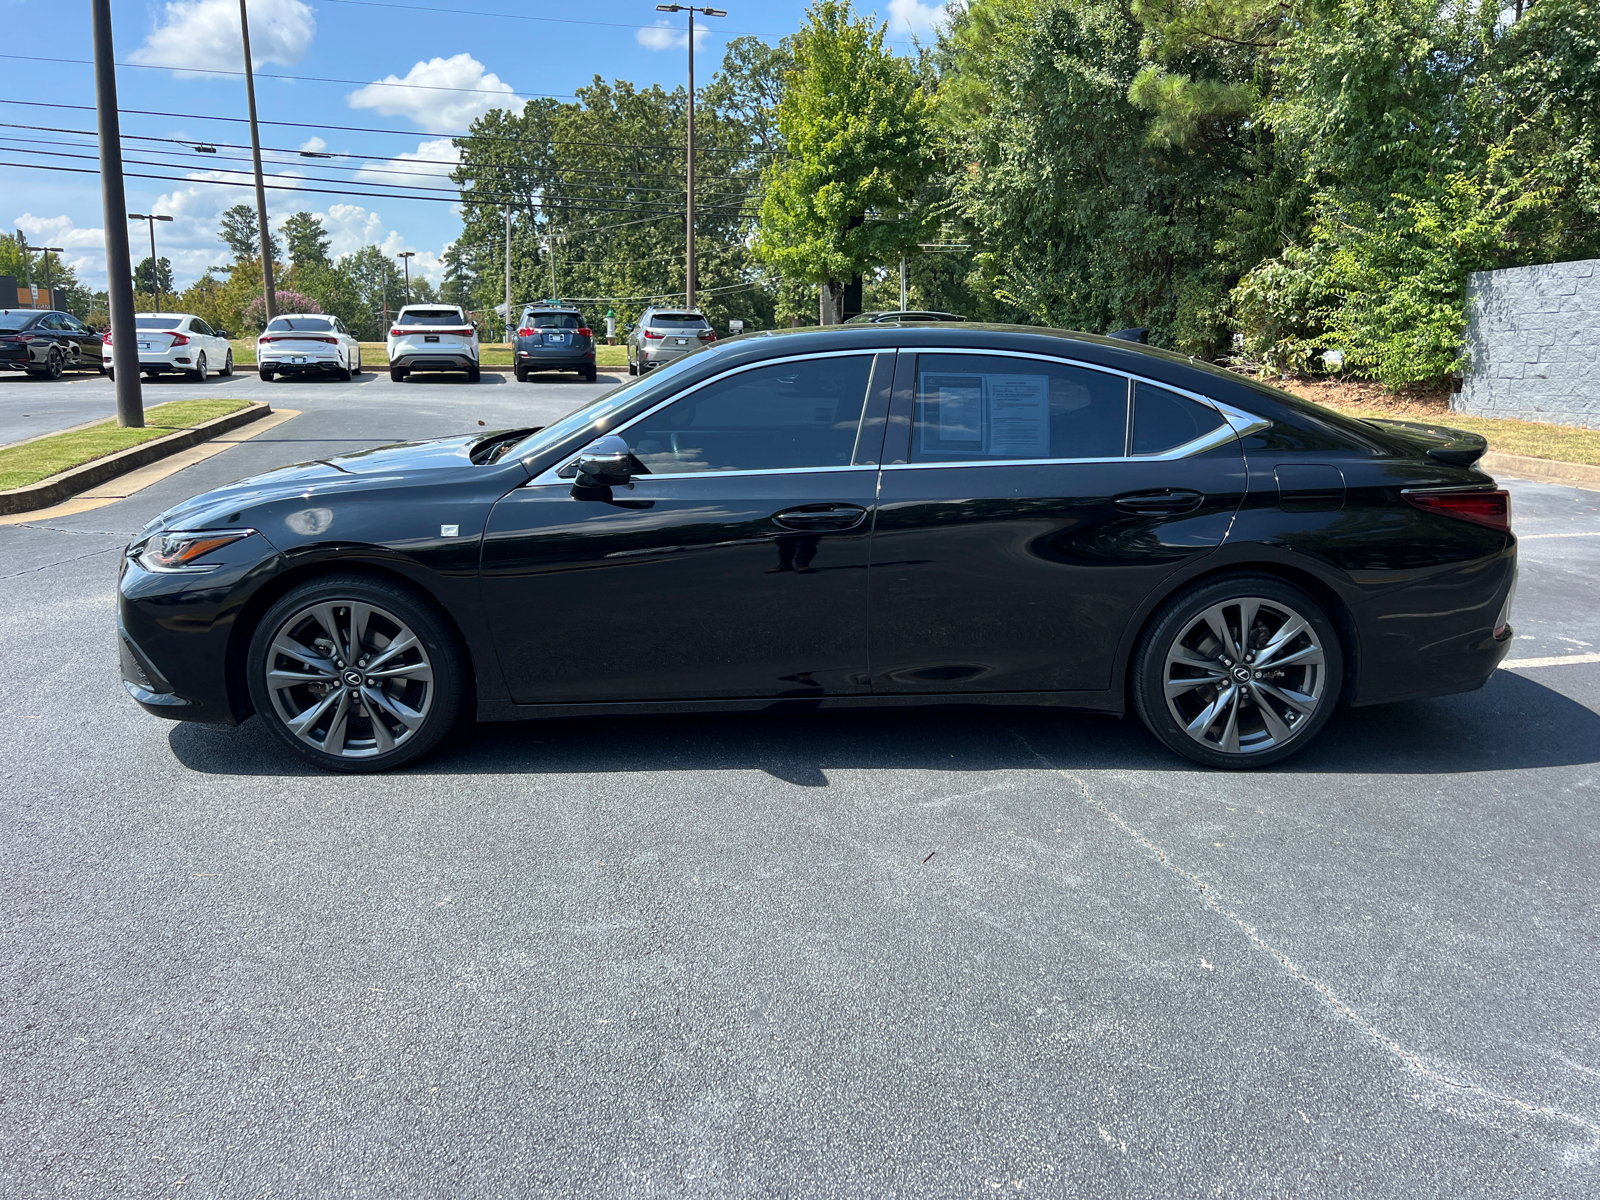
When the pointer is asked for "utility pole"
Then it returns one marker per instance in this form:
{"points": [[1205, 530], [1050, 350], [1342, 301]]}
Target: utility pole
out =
{"points": [[508, 276], [27, 269], [902, 281], [688, 278], [47, 287], [119, 272], [550, 245], [155, 269], [406, 256], [269, 291]]}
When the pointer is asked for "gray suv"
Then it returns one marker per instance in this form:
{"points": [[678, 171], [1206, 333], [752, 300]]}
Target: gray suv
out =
{"points": [[662, 334]]}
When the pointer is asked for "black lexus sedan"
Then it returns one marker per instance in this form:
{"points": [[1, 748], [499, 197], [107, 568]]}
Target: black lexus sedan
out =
{"points": [[846, 516]]}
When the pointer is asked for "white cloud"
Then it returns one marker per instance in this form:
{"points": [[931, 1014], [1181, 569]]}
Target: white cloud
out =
{"points": [[438, 111], [434, 159], [205, 33], [912, 16], [313, 145], [664, 35]]}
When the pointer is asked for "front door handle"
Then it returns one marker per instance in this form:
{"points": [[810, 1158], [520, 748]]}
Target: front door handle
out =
{"points": [[821, 518], [1166, 502]]}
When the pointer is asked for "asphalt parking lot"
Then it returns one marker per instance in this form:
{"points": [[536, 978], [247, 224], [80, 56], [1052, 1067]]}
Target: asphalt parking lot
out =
{"points": [[858, 953]]}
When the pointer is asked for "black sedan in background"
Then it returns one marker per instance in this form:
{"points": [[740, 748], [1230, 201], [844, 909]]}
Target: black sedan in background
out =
{"points": [[553, 339], [847, 516], [44, 344]]}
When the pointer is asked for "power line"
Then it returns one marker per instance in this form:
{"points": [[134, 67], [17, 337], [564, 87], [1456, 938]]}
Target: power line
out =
{"points": [[505, 16], [405, 133]]}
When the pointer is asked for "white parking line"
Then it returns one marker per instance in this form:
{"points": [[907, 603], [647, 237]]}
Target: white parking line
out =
{"points": [[1534, 537], [1560, 660]]}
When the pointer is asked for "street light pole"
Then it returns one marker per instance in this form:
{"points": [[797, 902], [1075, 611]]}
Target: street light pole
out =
{"points": [[688, 276], [114, 200], [269, 292], [155, 269], [406, 256], [47, 250]]}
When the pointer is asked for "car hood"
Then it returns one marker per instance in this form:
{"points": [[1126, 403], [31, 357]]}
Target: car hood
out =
{"points": [[222, 506]]}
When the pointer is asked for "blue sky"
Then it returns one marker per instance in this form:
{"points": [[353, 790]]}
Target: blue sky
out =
{"points": [[465, 62]]}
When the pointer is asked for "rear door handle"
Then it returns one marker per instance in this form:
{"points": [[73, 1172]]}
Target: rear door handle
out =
{"points": [[1166, 502], [821, 518]]}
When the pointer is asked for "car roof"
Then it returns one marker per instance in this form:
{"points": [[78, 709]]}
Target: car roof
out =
{"points": [[299, 316], [180, 316]]}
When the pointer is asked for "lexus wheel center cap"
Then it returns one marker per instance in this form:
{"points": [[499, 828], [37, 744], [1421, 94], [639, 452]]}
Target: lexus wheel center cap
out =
{"points": [[1242, 674], [352, 678]]}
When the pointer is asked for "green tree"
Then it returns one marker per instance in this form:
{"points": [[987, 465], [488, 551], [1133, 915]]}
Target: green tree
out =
{"points": [[241, 233], [144, 281], [856, 126], [307, 240]]}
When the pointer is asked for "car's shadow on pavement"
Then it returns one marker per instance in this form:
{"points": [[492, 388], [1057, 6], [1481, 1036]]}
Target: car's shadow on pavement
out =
{"points": [[1514, 723]]}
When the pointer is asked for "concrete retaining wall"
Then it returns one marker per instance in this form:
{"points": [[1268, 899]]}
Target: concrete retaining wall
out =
{"points": [[1533, 344]]}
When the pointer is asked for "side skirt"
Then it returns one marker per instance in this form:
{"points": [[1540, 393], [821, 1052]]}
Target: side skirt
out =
{"points": [[1105, 701]]}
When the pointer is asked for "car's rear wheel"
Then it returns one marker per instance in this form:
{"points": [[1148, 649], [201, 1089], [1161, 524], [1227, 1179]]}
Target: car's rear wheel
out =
{"points": [[227, 366], [266, 373], [198, 375], [590, 374], [473, 373], [633, 367], [397, 374], [522, 374], [52, 367], [345, 374], [356, 674], [1238, 673]]}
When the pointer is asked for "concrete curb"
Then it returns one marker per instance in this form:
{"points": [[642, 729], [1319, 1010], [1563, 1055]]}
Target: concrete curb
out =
{"points": [[52, 491], [1550, 470]]}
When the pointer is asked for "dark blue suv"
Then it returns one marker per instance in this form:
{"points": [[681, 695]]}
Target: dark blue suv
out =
{"points": [[553, 339]]}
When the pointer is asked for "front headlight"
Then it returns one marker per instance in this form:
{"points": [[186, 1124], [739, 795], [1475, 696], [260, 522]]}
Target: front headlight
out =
{"points": [[178, 551]]}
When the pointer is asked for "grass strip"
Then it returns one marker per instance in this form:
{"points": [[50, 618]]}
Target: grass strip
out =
{"points": [[30, 462]]}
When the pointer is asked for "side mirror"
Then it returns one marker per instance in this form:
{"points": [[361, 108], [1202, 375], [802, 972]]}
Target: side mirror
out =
{"points": [[605, 462], [222, 333]]}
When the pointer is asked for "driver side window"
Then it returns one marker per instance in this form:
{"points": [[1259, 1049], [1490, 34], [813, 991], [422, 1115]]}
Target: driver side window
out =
{"points": [[783, 416]]}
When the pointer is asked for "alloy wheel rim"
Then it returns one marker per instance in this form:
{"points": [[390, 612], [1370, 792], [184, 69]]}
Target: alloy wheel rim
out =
{"points": [[349, 679], [1245, 676]]}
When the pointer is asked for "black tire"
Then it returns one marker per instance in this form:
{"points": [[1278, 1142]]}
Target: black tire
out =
{"points": [[52, 367], [633, 367], [473, 373], [397, 374], [355, 368], [227, 366], [1266, 724], [266, 374], [522, 374], [590, 374], [198, 375], [441, 698], [345, 374]]}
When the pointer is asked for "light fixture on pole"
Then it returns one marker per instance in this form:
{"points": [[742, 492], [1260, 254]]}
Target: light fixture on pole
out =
{"points": [[269, 292], [406, 256], [688, 277], [155, 273]]}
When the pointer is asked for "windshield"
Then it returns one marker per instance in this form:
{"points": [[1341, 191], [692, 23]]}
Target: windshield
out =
{"points": [[597, 410], [677, 321], [432, 316], [157, 322], [300, 325], [548, 320]]}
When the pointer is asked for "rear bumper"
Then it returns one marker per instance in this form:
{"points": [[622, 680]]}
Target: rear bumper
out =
{"points": [[537, 360], [434, 361], [308, 363]]}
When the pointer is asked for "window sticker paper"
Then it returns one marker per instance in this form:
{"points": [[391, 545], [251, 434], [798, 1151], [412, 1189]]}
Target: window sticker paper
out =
{"points": [[1019, 416]]}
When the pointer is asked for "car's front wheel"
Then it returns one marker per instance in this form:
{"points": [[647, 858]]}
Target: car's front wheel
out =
{"points": [[1238, 673], [355, 673]]}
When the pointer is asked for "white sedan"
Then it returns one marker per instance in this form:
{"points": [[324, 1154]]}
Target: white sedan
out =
{"points": [[178, 344], [303, 342]]}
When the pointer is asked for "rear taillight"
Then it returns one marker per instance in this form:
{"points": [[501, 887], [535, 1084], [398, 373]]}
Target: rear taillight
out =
{"points": [[1489, 506], [651, 333], [105, 338], [585, 333], [708, 335], [397, 333], [180, 339], [525, 332]]}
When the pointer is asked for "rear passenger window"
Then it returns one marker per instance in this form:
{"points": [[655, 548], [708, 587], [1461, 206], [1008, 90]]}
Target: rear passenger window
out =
{"points": [[1164, 420], [796, 414], [977, 408]]}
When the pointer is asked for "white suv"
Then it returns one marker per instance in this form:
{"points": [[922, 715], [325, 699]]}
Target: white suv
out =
{"points": [[179, 344], [297, 343], [432, 337]]}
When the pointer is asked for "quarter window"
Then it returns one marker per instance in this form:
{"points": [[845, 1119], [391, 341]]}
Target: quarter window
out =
{"points": [[975, 408], [1164, 420], [794, 414], [201, 327]]}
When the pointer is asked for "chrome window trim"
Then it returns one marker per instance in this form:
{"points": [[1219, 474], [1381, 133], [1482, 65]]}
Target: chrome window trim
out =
{"points": [[1236, 422], [551, 474]]}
